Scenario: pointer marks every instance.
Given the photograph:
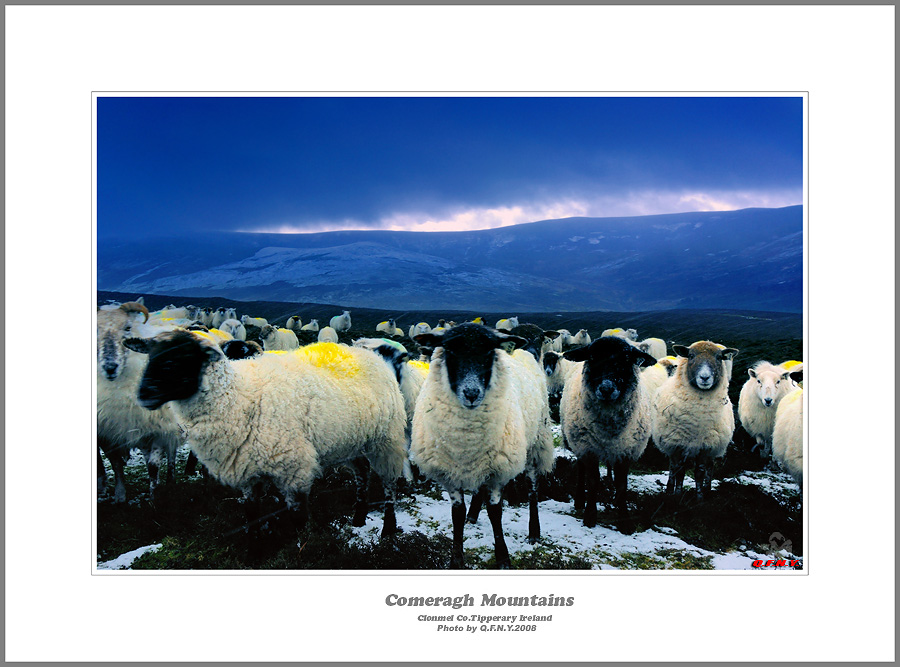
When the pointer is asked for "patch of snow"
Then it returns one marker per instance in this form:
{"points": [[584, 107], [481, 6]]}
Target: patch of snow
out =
{"points": [[559, 528], [124, 561]]}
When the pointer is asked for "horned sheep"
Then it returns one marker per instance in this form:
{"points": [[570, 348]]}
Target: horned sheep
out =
{"points": [[481, 419], [279, 418]]}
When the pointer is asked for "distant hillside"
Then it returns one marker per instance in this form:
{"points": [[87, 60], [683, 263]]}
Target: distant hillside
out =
{"points": [[746, 260]]}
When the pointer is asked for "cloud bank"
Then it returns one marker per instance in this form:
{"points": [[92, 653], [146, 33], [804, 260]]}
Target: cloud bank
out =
{"points": [[635, 203]]}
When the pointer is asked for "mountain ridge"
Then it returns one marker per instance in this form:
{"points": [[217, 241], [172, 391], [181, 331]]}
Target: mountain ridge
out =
{"points": [[748, 259]]}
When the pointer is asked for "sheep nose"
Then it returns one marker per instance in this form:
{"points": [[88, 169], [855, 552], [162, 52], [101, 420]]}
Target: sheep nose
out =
{"points": [[471, 395], [608, 390], [110, 370], [767, 401]]}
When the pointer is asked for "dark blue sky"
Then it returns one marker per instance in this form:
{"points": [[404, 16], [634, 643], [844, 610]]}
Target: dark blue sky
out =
{"points": [[307, 164]]}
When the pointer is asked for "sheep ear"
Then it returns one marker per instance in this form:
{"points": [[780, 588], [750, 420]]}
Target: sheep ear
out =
{"points": [[644, 347], [752, 372], [644, 359], [578, 354], [141, 345], [429, 339], [551, 334], [681, 350], [797, 376], [729, 353], [517, 341]]}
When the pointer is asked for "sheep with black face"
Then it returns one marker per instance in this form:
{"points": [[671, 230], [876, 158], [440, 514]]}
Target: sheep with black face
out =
{"points": [[693, 419], [605, 414], [480, 420], [279, 419]]}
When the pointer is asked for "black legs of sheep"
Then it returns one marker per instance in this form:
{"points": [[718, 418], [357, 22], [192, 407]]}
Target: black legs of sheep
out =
{"points": [[678, 465], [495, 513], [478, 499], [458, 514], [592, 477], [116, 456], [361, 469], [534, 520], [617, 482]]}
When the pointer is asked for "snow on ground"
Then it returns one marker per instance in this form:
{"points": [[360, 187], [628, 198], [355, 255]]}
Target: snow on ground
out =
{"points": [[124, 561], [561, 531], [564, 534]]}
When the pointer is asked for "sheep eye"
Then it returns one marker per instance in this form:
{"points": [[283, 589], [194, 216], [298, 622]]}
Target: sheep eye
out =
{"points": [[759, 382]]}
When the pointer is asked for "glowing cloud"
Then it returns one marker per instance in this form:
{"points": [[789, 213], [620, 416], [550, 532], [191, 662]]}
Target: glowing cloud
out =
{"points": [[624, 205]]}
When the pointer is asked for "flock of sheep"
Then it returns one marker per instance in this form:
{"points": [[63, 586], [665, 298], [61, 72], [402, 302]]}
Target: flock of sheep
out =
{"points": [[470, 408]]}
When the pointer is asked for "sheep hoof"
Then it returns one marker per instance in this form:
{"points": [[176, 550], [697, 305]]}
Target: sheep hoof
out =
{"points": [[504, 564], [358, 521], [532, 539]]}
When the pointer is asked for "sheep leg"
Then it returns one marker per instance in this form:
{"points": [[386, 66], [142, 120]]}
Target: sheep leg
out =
{"points": [[534, 521], [298, 508], [170, 464], [495, 513], [477, 501], [361, 508], [579, 485], [152, 456], [252, 502], [592, 473], [117, 459], [390, 517], [626, 525], [458, 513], [700, 477], [101, 475], [677, 465]]}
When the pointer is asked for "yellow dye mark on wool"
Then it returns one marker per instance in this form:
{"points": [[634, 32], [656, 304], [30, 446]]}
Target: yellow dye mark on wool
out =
{"points": [[166, 319], [332, 357], [205, 336], [275, 352], [787, 365], [478, 320], [423, 366]]}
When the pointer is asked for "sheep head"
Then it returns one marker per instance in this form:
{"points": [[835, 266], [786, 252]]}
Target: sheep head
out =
{"points": [[469, 356]]}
